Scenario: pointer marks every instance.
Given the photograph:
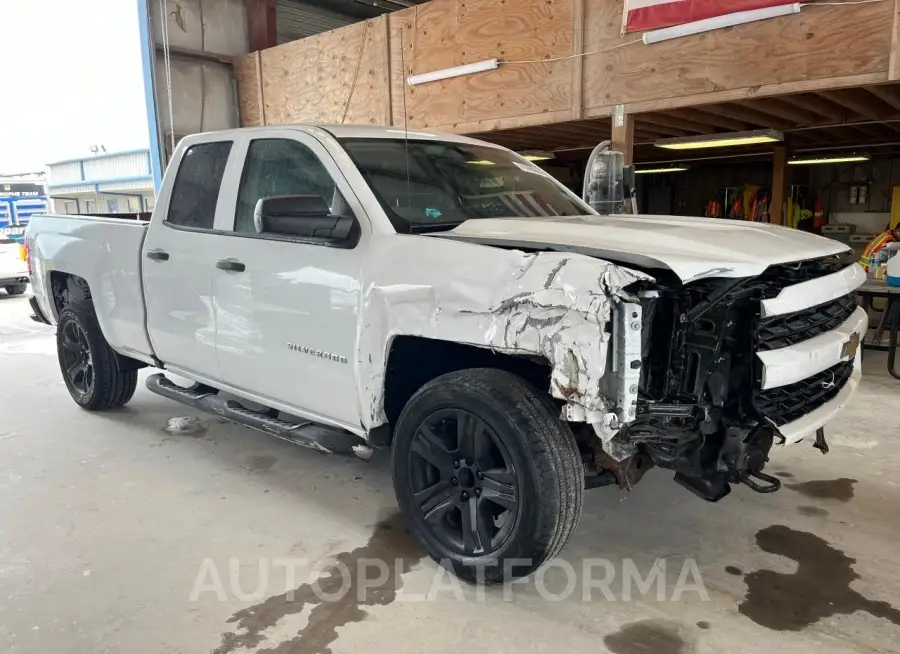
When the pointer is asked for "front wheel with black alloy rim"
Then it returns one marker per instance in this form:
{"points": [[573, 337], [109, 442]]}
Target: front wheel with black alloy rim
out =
{"points": [[87, 362], [488, 477]]}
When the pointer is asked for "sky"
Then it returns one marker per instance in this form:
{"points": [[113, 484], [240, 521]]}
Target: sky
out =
{"points": [[71, 78]]}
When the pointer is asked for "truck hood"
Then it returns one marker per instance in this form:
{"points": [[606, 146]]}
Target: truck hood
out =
{"points": [[692, 248]]}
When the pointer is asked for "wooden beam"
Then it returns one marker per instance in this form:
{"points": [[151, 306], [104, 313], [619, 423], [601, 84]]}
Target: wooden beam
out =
{"points": [[665, 132], [700, 100], [740, 112], [190, 53], [850, 102], [642, 134], [260, 97], [815, 104], [388, 70], [665, 120], [715, 120], [894, 59], [779, 185], [261, 24], [577, 61], [772, 107], [623, 134], [884, 93]]}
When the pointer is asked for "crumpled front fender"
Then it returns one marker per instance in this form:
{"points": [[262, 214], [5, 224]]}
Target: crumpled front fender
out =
{"points": [[558, 306]]}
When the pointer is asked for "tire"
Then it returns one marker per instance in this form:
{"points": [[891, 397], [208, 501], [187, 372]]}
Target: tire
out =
{"points": [[524, 462], [97, 384], [16, 289]]}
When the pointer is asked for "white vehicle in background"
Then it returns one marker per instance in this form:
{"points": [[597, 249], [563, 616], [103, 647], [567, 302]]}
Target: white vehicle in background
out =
{"points": [[357, 287], [13, 267]]}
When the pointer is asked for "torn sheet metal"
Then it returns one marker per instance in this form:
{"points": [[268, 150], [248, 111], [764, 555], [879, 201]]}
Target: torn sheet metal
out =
{"points": [[552, 304]]}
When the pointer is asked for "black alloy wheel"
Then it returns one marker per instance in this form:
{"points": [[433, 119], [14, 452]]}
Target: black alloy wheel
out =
{"points": [[464, 482], [76, 359], [487, 475]]}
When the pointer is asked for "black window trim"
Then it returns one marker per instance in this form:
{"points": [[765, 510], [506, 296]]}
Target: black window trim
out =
{"points": [[347, 244]]}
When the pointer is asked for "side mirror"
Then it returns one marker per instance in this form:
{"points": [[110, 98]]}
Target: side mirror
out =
{"points": [[303, 216]]}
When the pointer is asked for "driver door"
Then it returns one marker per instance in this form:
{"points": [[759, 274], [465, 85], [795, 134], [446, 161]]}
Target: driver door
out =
{"points": [[287, 313]]}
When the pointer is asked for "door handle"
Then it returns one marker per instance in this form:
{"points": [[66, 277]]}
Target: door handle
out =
{"points": [[158, 255], [230, 265]]}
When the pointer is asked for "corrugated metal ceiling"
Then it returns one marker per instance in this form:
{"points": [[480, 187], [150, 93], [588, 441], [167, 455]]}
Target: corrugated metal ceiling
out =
{"points": [[297, 19]]}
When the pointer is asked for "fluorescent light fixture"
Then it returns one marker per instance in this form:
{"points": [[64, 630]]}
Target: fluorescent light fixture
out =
{"points": [[445, 73], [481, 162], [828, 160], [670, 169], [718, 22], [720, 140], [537, 155]]}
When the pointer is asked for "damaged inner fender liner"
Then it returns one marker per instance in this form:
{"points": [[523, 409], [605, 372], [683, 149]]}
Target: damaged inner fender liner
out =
{"points": [[559, 306]]}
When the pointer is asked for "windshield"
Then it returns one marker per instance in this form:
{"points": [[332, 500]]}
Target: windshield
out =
{"points": [[430, 185]]}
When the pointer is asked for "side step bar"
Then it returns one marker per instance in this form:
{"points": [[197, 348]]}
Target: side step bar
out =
{"points": [[307, 434]]}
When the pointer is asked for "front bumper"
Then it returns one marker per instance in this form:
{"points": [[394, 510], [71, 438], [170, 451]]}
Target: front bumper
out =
{"points": [[806, 426], [807, 371], [792, 364]]}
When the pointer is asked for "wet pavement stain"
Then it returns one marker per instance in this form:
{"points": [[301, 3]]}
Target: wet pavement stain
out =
{"points": [[647, 637], [733, 570], [390, 542], [819, 589], [260, 463], [826, 489], [813, 511], [703, 624]]}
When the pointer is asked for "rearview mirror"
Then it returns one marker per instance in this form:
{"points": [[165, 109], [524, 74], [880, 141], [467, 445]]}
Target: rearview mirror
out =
{"points": [[303, 216]]}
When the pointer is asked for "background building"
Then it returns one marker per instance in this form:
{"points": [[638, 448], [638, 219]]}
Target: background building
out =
{"points": [[21, 196], [118, 182]]}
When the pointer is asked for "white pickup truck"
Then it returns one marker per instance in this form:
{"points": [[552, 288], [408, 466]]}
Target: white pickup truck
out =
{"points": [[348, 287]]}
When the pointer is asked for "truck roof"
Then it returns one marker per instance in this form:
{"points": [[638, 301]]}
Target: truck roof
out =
{"points": [[355, 132]]}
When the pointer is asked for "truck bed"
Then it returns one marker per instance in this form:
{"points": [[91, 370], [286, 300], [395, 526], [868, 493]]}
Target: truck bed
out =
{"points": [[106, 252]]}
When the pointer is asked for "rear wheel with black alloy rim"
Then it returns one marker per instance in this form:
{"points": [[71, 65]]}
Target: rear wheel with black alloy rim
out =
{"points": [[488, 477], [87, 363]]}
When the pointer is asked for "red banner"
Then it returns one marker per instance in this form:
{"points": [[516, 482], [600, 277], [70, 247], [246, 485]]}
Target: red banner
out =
{"points": [[641, 15]]}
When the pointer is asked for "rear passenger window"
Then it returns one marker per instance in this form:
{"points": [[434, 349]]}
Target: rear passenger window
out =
{"points": [[196, 188]]}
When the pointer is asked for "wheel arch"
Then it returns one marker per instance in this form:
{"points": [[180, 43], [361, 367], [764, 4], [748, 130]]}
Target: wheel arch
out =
{"points": [[66, 288], [413, 361]]}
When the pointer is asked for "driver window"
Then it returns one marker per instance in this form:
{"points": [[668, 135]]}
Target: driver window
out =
{"points": [[280, 167]]}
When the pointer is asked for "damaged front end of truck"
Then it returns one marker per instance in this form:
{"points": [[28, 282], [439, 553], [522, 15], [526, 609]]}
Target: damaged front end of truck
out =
{"points": [[703, 408], [648, 374], [648, 369]]}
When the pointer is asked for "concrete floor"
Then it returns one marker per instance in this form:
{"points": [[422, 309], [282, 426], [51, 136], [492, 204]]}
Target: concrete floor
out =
{"points": [[109, 524]]}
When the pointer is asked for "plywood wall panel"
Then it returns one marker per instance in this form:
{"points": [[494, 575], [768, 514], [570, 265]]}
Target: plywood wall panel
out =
{"points": [[818, 43], [312, 80], [448, 33], [538, 81], [246, 75]]}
